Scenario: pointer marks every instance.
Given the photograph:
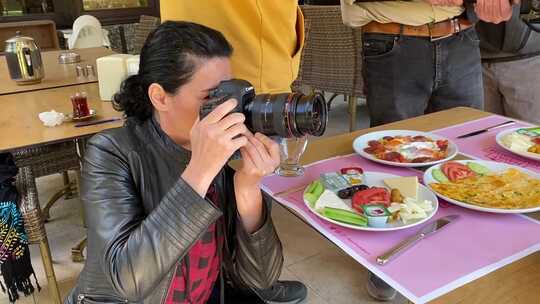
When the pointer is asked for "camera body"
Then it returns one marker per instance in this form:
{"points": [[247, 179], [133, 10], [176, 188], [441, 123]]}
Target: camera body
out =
{"points": [[284, 114], [238, 89]]}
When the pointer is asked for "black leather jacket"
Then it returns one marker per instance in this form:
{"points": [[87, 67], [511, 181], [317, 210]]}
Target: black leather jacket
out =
{"points": [[143, 218]]}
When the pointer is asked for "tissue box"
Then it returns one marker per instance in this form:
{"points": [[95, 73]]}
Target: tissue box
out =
{"points": [[112, 70], [133, 65]]}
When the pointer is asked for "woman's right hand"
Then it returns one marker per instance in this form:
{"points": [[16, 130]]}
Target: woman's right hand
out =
{"points": [[213, 141]]}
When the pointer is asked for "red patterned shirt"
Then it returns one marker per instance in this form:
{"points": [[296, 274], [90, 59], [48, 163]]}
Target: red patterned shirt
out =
{"points": [[204, 264]]}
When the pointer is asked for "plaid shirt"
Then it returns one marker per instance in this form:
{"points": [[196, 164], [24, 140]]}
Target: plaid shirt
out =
{"points": [[204, 264]]}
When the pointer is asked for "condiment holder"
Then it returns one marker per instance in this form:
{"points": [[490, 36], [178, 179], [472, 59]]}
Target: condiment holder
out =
{"points": [[69, 57]]}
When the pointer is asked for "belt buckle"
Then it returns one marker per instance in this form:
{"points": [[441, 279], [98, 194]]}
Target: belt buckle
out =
{"points": [[456, 28]]}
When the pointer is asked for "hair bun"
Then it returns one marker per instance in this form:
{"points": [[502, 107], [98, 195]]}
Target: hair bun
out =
{"points": [[133, 99]]}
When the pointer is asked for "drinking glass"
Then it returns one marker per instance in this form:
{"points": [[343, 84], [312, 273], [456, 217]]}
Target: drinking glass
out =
{"points": [[291, 149], [80, 105]]}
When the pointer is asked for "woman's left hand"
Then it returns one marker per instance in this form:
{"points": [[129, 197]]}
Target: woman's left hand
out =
{"points": [[260, 157]]}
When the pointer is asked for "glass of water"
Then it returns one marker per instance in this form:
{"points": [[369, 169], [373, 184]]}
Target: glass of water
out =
{"points": [[291, 149]]}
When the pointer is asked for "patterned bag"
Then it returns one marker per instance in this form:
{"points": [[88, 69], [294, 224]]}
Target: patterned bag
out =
{"points": [[15, 264]]}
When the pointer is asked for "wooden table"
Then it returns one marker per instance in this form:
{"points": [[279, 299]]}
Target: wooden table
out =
{"points": [[56, 74], [20, 129], [514, 283], [20, 126]]}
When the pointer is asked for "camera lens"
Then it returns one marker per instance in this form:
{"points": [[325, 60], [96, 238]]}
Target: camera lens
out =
{"points": [[311, 114], [287, 114]]}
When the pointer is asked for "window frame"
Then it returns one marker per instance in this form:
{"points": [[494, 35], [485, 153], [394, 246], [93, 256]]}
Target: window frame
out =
{"points": [[66, 11], [119, 15]]}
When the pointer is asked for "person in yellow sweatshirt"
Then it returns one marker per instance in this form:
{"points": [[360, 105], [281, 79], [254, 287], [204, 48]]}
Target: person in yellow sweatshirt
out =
{"points": [[267, 39]]}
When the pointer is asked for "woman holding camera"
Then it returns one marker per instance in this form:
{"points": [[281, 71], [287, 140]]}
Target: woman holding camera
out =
{"points": [[168, 221]]}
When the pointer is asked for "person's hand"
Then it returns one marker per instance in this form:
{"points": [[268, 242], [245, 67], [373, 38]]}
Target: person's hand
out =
{"points": [[260, 157], [445, 2], [494, 11], [213, 140]]}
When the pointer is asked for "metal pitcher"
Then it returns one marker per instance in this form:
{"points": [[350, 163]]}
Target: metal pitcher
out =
{"points": [[23, 58]]}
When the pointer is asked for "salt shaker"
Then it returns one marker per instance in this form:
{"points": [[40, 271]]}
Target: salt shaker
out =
{"points": [[79, 70], [90, 70]]}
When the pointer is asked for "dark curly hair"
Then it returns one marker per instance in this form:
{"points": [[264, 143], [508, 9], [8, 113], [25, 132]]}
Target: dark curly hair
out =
{"points": [[168, 58]]}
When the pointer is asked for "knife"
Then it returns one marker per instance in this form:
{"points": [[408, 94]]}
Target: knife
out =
{"points": [[506, 123], [426, 231], [290, 190]]}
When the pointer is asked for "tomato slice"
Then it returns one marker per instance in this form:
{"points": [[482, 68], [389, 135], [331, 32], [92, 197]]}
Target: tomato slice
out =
{"points": [[456, 171], [368, 196], [536, 140], [442, 144]]}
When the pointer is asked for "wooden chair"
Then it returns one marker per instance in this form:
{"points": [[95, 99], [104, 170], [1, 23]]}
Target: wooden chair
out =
{"points": [[43, 32], [331, 60]]}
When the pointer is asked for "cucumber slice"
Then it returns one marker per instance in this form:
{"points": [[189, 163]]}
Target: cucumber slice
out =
{"points": [[311, 187], [311, 198], [345, 216], [319, 189], [477, 168], [439, 176]]}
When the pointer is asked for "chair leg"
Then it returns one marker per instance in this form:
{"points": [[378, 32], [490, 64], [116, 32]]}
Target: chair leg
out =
{"points": [[352, 112], [49, 270], [68, 191], [34, 226], [77, 255], [72, 190]]}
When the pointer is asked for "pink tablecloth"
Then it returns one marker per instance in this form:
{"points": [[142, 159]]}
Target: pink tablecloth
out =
{"points": [[475, 245]]}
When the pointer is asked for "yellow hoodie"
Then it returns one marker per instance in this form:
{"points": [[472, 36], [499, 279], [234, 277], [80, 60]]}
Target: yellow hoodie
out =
{"points": [[267, 37]]}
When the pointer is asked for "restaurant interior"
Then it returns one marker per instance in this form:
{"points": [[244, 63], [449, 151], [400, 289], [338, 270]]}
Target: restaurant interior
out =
{"points": [[361, 189]]}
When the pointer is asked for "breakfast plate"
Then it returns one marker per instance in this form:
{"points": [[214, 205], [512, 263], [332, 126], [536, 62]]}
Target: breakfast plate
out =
{"points": [[377, 180], [405, 148], [486, 186], [516, 143]]}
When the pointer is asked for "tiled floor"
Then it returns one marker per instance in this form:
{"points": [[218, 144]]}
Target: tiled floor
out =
{"points": [[331, 276]]}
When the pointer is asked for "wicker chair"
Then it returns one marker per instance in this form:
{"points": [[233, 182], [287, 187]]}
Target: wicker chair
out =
{"points": [[146, 25], [331, 60], [51, 159], [36, 162], [35, 227]]}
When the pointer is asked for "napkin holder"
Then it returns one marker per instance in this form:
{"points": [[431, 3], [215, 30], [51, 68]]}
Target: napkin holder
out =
{"points": [[111, 70]]}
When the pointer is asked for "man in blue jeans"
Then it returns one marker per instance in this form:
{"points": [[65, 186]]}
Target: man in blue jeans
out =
{"points": [[419, 56]]}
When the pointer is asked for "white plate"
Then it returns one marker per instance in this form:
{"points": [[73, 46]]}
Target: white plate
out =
{"points": [[491, 165], [376, 179], [360, 143], [502, 134]]}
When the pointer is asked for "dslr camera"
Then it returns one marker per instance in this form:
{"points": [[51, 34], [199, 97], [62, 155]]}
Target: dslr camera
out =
{"points": [[285, 115]]}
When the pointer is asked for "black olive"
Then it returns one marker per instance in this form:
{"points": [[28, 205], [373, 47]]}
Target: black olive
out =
{"points": [[344, 193], [359, 188]]}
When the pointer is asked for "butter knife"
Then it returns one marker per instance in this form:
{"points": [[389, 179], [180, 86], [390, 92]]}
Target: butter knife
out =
{"points": [[506, 123], [290, 190], [426, 231]]}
